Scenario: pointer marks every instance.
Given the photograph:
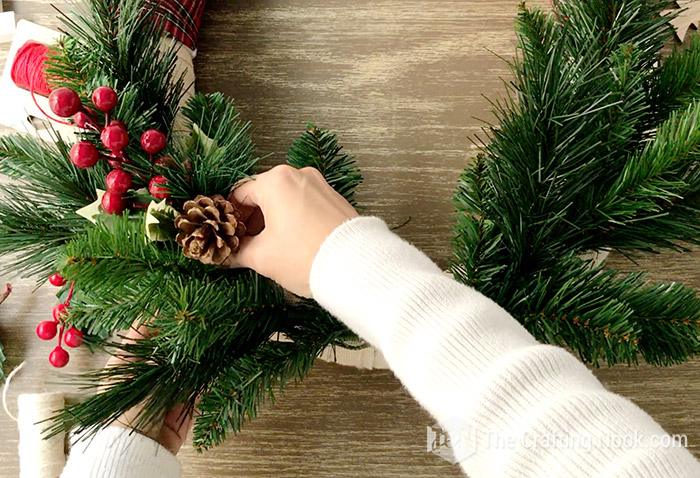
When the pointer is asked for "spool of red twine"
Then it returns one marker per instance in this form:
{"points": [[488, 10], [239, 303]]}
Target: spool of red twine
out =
{"points": [[29, 68]]}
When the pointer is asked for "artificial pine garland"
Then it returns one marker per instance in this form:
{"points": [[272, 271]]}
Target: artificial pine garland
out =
{"points": [[114, 253], [596, 150]]}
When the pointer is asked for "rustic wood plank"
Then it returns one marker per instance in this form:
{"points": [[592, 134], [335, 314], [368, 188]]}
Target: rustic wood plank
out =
{"points": [[401, 82]]}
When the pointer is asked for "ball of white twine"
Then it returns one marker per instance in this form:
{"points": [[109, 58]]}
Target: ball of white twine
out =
{"points": [[38, 458]]}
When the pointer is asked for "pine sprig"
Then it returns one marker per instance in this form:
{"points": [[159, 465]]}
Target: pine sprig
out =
{"points": [[249, 382], [32, 231], [318, 148], [215, 157], [47, 169]]}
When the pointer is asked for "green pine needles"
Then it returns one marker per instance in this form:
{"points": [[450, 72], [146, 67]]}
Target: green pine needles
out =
{"points": [[596, 150], [226, 340]]}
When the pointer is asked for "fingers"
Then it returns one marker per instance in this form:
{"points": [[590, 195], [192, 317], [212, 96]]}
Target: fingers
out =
{"points": [[245, 192], [173, 432], [249, 253], [129, 418], [254, 221], [253, 191], [132, 335]]}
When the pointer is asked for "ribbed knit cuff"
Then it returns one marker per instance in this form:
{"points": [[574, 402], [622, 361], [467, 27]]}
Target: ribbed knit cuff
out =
{"points": [[117, 452]]}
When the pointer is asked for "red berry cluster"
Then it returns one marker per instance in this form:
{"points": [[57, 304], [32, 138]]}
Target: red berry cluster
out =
{"points": [[48, 329], [114, 137]]}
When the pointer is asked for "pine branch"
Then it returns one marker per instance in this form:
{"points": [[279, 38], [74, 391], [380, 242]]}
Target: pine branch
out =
{"points": [[588, 156], [216, 157], [253, 380], [668, 316], [677, 81], [318, 148], [479, 255], [184, 360], [119, 44], [47, 169], [605, 315], [120, 276], [32, 231], [244, 386]]}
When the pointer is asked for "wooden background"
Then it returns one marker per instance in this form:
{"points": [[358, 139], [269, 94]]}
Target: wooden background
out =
{"points": [[401, 81]]}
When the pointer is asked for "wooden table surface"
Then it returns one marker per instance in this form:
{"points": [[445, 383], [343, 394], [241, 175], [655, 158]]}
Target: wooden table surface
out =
{"points": [[402, 84]]}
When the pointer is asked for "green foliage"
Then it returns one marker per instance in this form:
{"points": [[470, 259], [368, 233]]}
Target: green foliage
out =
{"points": [[214, 158], [37, 214], [216, 349], [214, 335], [116, 43], [318, 148], [596, 149]]}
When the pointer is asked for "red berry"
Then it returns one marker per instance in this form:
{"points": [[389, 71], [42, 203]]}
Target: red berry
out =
{"points": [[153, 141], [73, 337], [117, 122], [114, 137], [157, 187], [84, 121], [104, 98], [57, 280], [118, 181], [113, 202], [46, 330], [84, 154], [59, 357], [64, 102], [59, 311]]}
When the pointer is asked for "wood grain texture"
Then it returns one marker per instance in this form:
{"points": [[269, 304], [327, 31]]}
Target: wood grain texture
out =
{"points": [[402, 83]]}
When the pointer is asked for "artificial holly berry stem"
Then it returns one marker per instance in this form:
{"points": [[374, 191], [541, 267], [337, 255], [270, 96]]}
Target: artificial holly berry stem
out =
{"points": [[88, 122], [60, 333], [70, 293]]}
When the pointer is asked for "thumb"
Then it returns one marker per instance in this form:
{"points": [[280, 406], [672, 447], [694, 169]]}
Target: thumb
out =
{"points": [[250, 253]]}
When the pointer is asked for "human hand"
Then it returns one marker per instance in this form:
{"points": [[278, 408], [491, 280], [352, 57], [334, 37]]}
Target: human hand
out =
{"points": [[171, 432], [288, 212]]}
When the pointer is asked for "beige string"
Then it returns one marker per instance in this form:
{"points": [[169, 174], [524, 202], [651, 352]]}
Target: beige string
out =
{"points": [[38, 458], [7, 387]]}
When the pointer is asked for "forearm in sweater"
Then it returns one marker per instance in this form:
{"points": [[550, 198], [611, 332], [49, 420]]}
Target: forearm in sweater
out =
{"points": [[472, 365], [117, 452]]}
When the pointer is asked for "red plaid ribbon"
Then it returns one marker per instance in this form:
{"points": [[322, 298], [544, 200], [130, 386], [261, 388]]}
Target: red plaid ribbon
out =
{"points": [[180, 18]]}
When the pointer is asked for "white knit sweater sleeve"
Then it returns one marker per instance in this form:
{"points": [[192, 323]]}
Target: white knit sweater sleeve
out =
{"points": [[117, 452], [513, 407]]}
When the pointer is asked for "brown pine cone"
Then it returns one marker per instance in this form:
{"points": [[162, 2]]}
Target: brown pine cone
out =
{"points": [[210, 229]]}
